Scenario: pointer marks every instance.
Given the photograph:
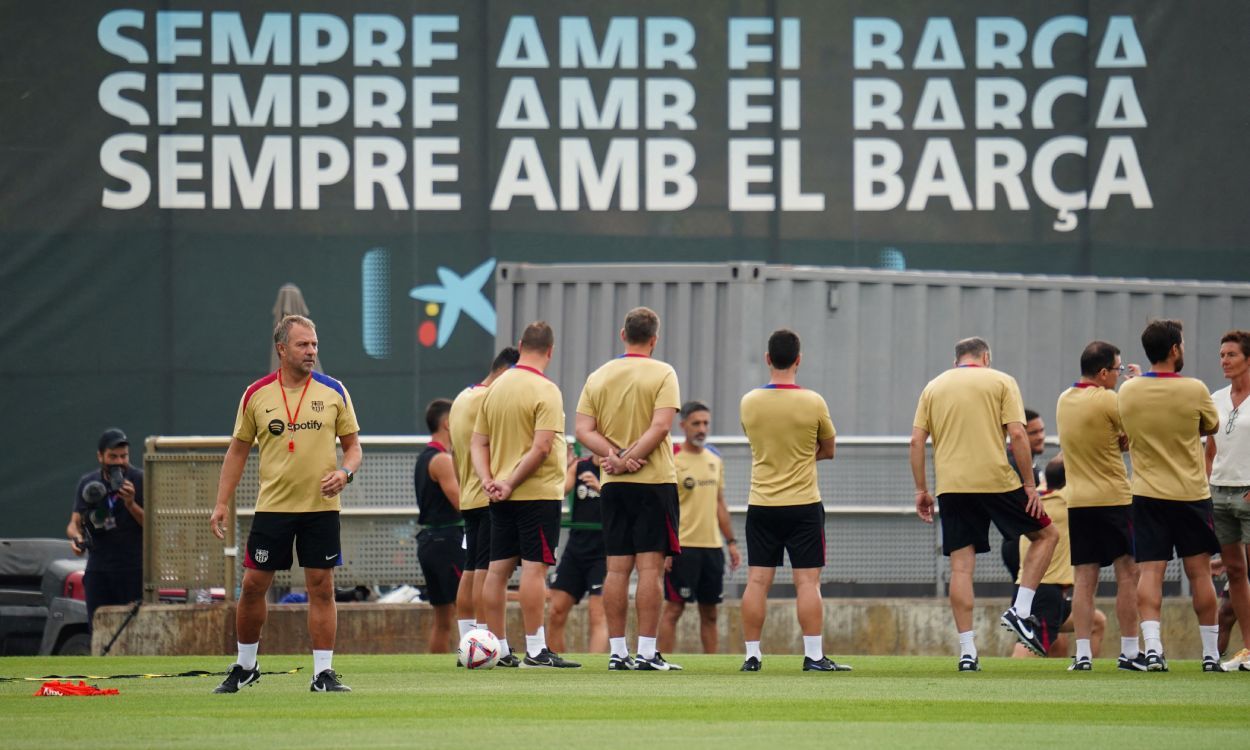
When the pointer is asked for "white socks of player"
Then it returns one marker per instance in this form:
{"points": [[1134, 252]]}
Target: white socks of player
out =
{"points": [[504, 649], [1210, 641], [814, 647], [1150, 633], [247, 655], [617, 647], [465, 626], [1024, 602], [753, 649], [1083, 650], [968, 644], [646, 646], [536, 643], [321, 660], [1130, 647]]}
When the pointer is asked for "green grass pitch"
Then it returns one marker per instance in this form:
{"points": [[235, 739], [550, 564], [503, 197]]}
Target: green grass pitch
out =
{"points": [[424, 701]]}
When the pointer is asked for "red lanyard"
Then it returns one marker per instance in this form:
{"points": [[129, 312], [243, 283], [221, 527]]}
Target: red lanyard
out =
{"points": [[290, 446]]}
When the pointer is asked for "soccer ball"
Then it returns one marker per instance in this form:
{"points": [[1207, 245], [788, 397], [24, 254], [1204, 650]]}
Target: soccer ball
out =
{"points": [[479, 649]]}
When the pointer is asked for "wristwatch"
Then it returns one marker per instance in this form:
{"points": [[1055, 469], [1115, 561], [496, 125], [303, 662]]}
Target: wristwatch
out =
{"points": [[350, 474]]}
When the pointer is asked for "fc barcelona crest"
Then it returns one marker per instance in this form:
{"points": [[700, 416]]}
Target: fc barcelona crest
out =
{"points": [[317, 406]]}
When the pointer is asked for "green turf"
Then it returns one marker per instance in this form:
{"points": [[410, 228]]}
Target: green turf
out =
{"points": [[410, 701]]}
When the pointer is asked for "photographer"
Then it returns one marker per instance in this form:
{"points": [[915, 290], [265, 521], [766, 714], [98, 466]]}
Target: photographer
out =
{"points": [[107, 523]]}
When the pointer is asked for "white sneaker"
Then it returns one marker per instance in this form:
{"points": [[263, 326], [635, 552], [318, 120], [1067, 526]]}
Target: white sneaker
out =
{"points": [[1239, 662]]}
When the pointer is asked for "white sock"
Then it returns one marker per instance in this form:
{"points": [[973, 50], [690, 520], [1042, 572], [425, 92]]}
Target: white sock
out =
{"points": [[753, 649], [814, 647], [1024, 602], [1150, 633], [534, 644], [1130, 647], [503, 648], [617, 646], [247, 655], [321, 660], [1210, 641], [465, 626], [646, 646], [1083, 649], [968, 644]]}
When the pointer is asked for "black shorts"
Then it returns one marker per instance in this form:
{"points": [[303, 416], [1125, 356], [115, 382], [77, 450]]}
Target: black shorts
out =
{"points": [[966, 518], [582, 565], [640, 518], [796, 529], [441, 555], [316, 538], [1052, 604], [1159, 526], [476, 538], [528, 529], [698, 575], [1100, 534]]}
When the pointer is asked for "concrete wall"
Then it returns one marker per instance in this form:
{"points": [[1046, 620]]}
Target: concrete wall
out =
{"points": [[852, 626]]}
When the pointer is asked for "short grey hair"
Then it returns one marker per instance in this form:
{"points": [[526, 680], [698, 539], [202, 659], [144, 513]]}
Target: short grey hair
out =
{"points": [[282, 333], [974, 346]]}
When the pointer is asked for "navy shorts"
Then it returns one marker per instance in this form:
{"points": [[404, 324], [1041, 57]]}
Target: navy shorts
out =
{"points": [[798, 530], [1161, 526], [966, 518], [315, 536], [1101, 534], [441, 555], [476, 538], [582, 565], [528, 529], [640, 518], [698, 575]]}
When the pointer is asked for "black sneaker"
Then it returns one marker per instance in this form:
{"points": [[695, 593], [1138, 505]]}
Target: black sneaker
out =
{"points": [[1212, 665], [1025, 630], [823, 664], [654, 664], [969, 664], [750, 665], [548, 659], [1155, 662], [1081, 664], [1136, 664], [327, 681], [508, 662], [238, 677]]}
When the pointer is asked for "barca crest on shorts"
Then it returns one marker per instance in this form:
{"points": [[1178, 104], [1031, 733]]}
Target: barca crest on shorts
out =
{"points": [[261, 555]]}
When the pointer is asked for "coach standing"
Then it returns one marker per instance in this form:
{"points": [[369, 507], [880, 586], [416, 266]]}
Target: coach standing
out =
{"points": [[300, 482]]}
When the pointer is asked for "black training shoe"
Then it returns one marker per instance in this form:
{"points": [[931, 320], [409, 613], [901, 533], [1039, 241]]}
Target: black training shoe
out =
{"points": [[508, 662], [1081, 664], [1136, 664], [823, 664], [750, 665], [1155, 662], [1025, 630], [1212, 665], [238, 677], [548, 659], [621, 663], [327, 681], [969, 664], [654, 664]]}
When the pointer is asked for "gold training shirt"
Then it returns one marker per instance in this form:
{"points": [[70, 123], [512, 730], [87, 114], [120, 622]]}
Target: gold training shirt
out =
{"points": [[290, 481], [700, 477], [783, 424], [1088, 419], [519, 403], [965, 410], [622, 396], [460, 422], [1060, 570], [1162, 415]]}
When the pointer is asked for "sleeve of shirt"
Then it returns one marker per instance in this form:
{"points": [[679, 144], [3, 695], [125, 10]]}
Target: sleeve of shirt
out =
{"points": [[346, 423], [1210, 416], [669, 395], [1012, 403], [824, 426], [921, 420], [720, 475], [1113, 412], [136, 479], [480, 424], [80, 505], [549, 414], [586, 402], [244, 422]]}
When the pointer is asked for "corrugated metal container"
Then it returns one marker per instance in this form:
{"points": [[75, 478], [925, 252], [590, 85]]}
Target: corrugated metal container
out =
{"points": [[871, 338]]}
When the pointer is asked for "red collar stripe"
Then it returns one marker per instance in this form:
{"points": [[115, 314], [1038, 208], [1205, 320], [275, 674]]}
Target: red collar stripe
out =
{"points": [[437, 446], [1161, 375]]}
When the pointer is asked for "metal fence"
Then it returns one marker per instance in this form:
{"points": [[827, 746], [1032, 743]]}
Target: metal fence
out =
{"points": [[876, 545]]}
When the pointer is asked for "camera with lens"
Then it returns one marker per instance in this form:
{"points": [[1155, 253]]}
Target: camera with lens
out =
{"points": [[94, 493]]}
